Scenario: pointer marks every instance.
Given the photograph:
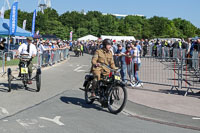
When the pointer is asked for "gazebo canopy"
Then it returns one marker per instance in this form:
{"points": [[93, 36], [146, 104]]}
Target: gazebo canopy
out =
{"points": [[4, 30], [88, 37]]}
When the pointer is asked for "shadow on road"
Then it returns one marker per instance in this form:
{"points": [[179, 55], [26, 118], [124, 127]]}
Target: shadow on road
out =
{"points": [[15, 87], [3, 90], [82, 103]]}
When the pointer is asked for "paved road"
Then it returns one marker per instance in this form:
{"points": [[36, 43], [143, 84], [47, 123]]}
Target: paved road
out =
{"points": [[60, 107]]}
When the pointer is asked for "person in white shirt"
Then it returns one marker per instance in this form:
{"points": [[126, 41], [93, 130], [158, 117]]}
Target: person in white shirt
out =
{"points": [[136, 66], [28, 48], [41, 50]]}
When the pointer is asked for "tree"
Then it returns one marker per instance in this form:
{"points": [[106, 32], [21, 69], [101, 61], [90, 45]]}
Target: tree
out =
{"points": [[82, 32], [51, 14], [198, 32], [95, 23], [186, 29], [56, 28]]}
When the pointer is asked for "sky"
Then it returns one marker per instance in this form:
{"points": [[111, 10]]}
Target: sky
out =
{"points": [[185, 9]]}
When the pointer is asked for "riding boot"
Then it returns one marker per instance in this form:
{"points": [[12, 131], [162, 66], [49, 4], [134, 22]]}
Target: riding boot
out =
{"points": [[94, 86], [30, 76], [19, 71], [19, 75]]}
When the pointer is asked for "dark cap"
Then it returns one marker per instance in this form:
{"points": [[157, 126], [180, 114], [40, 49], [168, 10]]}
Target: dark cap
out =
{"points": [[136, 42], [118, 45]]}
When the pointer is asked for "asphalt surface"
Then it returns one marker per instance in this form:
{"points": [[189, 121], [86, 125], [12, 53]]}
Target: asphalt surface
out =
{"points": [[60, 107]]}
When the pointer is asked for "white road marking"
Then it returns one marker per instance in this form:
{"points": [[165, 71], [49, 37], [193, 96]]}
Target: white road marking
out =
{"points": [[196, 118], [78, 69], [3, 111], [85, 65], [5, 120], [55, 120], [27, 123]]}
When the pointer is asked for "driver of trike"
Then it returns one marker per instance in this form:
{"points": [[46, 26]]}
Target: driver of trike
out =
{"points": [[30, 50]]}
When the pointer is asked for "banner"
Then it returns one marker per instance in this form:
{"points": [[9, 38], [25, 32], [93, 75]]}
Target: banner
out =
{"points": [[71, 35], [38, 32], [24, 24], [13, 18], [33, 23], [2, 12]]}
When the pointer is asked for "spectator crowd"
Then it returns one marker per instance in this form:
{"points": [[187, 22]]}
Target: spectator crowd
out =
{"points": [[127, 54]]}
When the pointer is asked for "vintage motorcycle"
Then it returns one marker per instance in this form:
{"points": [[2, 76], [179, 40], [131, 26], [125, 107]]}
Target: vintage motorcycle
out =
{"points": [[24, 74], [110, 91]]}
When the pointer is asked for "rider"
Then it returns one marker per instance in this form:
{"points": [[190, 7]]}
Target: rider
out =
{"points": [[28, 48], [102, 56]]}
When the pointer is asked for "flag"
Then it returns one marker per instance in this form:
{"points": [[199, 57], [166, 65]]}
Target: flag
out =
{"points": [[13, 18], [2, 12], [38, 32], [24, 24], [33, 23], [71, 35]]}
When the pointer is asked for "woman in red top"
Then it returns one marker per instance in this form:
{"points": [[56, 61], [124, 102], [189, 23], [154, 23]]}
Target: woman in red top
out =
{"points": [[128, 60]]}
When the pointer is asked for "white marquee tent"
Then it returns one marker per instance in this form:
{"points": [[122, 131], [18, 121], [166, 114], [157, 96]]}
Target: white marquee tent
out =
{"points": [[118, 38], [88, 37]]}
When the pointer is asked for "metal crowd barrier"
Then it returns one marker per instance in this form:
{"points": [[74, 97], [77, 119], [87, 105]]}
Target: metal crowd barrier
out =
{"points": [[179, 53], [7, 60], [166, 52], [159, 72], [44, 59], [195, 60], [183, 73], [169, 68], [52, 57], [190, 73], [149, 51]]}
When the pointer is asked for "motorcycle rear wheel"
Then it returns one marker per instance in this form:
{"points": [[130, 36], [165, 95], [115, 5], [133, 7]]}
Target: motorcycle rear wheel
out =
{"points": [[88, 90]]}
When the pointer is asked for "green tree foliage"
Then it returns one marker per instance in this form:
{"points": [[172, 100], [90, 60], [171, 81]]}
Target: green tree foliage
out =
{"points": [[198, 32], [185, 28], [95, 23]]}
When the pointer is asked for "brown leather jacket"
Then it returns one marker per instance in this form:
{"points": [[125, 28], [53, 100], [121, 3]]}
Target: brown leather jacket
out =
{"points": [[104, 57]]}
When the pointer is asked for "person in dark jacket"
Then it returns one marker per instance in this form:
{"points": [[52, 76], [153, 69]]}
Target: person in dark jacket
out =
{"points": [[2, 44]]}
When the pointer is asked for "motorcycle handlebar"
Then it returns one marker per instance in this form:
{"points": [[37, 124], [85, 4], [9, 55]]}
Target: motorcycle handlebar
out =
{"points": [[24, 57], [112, 70]]}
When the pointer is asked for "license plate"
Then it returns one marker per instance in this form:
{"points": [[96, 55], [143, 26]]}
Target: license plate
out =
{"points": [[117, 78], [24, 70]]}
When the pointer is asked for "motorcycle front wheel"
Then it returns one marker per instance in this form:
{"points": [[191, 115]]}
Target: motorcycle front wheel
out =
{"points": [[117, 99]]}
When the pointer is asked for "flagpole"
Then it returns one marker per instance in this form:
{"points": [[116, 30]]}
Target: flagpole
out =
{"points": [[8, 43]]}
